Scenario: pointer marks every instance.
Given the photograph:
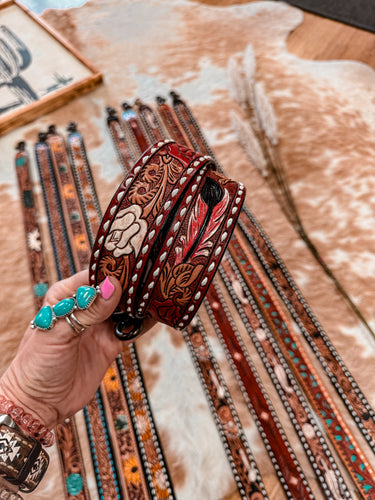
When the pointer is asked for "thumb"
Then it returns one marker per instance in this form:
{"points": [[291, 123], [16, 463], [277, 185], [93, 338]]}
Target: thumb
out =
{"points": [[104, 304]]}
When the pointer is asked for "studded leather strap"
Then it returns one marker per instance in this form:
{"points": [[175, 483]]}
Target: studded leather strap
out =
{"points": [[36, 259], [150, 122], [134, 128], [165, 231], [171, 123], [118, 135], [70, 201]]}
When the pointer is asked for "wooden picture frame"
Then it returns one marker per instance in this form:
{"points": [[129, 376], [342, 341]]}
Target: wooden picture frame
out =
{"points": [[39, 70]]}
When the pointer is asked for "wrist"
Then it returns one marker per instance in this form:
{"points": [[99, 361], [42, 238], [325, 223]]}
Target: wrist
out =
{"points": [[33, 418], [22, 396]]}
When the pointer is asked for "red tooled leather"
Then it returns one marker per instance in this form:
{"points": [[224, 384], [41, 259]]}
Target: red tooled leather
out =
{"points": [[151, 237]]}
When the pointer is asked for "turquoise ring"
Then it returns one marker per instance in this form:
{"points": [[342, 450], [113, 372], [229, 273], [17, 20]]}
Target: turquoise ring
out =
{"points": [[82, 299]]}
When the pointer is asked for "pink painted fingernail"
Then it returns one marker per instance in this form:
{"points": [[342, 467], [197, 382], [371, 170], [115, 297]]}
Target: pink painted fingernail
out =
{"points": [[107, 289]]}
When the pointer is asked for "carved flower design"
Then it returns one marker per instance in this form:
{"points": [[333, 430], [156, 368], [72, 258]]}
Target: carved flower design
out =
{"points": [[175, 283], [151, 172], [127, 232], [140, 192], [110, 380], [68, 191], [131, 470]]}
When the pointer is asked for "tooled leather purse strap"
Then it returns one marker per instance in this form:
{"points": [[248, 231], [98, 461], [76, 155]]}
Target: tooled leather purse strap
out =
{"points": [[36, 259], [231, 432], [164, 233], [171, 123], [56, 223], [75, 223], [117, 132], [135, 130], [150, 122], [84, 181]]}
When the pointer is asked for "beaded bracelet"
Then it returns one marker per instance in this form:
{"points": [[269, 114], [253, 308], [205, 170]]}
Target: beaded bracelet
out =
{"points": [[7, 493], [27, 422]]}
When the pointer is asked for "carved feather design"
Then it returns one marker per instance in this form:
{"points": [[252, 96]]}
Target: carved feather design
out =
{"points": [[195, 222], [216, 218]]}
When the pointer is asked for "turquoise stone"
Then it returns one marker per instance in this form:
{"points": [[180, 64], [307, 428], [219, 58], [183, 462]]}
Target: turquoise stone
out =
{"points": [[20, 161], [40, 289], [74, 484], [44, 318], [85, 296], [64, 307]]}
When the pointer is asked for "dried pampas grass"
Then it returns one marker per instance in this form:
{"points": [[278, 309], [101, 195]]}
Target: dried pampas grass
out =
{"points": [[266, 114], [249, 142], [259, 136], [237, 81]]}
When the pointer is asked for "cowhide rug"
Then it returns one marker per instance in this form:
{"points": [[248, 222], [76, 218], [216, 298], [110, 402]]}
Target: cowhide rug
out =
{"points": [[325, 114]]}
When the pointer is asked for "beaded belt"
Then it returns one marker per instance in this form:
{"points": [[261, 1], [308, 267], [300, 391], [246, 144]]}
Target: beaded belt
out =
{"points": [[164, 234]]}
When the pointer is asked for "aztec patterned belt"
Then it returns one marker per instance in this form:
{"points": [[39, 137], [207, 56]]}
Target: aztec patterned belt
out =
{"points": [[163, 235]]}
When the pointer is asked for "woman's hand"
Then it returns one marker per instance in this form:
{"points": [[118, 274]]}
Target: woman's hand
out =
{"points": [[56, 372]]}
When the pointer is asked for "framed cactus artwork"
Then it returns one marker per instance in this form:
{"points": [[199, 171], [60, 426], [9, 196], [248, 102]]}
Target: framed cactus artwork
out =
{"points": [[39, 70]]}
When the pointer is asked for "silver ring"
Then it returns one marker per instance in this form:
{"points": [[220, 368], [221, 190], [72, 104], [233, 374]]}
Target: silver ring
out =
{"points": [[75, 324]]}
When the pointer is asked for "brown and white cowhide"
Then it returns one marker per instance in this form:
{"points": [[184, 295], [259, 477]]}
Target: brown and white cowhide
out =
{"points": [[325, 113]]}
